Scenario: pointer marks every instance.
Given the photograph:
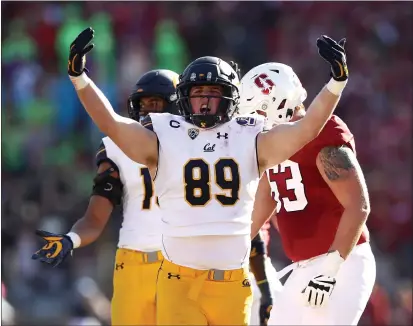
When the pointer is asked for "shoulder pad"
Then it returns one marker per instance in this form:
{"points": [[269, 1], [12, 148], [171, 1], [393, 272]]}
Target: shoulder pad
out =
{"points": [[334, 133], [101, 154]]}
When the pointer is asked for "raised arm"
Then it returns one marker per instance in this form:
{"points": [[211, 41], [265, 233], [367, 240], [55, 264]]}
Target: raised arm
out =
{"points": [[282, 141], [139, 143]]}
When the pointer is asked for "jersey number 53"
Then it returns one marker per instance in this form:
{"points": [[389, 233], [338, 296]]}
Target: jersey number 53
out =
{"points": [[290, 183]]}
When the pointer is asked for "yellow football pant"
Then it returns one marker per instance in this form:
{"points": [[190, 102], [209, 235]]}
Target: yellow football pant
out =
{"points": [[188, 296], [134, 287]]}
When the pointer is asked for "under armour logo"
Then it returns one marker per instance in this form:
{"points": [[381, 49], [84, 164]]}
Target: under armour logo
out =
{"points": [[119, 266], [170, 275], [246, 283], [224, 135], [208, 148]]}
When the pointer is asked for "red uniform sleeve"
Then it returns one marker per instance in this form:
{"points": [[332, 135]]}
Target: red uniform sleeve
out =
{"points": [[334, 133]]}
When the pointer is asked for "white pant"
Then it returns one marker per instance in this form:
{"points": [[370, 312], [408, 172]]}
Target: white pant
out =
{"points": [[355, 281], [276, 288]]}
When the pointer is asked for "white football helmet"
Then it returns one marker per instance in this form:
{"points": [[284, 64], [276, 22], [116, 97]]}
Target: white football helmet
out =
{"points": [[272, 88]]}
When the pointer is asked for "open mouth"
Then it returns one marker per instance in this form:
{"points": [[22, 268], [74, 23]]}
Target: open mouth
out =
{"points": [[205, 109]]}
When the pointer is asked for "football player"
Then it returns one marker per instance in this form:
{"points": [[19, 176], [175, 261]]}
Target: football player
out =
{"points": [[120, 180], [264, 281], [322, 205], [207, 170]]}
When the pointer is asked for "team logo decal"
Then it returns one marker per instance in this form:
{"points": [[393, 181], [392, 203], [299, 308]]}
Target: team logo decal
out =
{"points": [[246, 121], [264, 83], [193, 133]]}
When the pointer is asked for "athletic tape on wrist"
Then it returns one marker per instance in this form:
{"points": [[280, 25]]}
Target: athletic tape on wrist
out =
{"points": [[75, 239], [80, 81], [336, 87]]}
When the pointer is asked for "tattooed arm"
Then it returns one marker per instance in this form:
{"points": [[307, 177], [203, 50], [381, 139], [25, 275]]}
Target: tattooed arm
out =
{"points": [[341, 171]]}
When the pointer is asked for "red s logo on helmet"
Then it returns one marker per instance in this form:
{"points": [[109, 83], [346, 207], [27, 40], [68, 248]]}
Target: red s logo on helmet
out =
{"points": [[264, 83]]}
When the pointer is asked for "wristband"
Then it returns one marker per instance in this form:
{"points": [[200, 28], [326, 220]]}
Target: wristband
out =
{"points": [[265, 290], [336, 87], [81, 81], [75, 239]]}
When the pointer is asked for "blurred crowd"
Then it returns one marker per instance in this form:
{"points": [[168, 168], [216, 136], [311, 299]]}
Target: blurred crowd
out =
{"points": [[48, 141]]}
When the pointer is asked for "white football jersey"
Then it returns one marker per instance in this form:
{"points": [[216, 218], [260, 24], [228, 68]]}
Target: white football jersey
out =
{"points": [[141, 226], [206, 179]]}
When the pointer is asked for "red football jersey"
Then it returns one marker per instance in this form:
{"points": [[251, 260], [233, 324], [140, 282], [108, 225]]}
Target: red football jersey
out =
{"points": [[308, 213]]}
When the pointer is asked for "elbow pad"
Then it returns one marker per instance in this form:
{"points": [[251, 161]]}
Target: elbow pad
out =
{"points": [[107, 186]]}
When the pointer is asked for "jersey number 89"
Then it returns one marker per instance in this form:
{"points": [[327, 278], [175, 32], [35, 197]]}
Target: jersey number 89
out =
{"points": [[197, 179]]}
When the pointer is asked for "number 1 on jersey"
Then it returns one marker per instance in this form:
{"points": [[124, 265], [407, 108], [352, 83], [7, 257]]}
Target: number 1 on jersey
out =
{"points": [[147, 188]]}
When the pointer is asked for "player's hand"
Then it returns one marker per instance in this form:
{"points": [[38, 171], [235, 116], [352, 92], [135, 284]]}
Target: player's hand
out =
{"points": [[265, 310], [335, 55], [77, 52], [56, 249], [234, 66], [318, 291]]}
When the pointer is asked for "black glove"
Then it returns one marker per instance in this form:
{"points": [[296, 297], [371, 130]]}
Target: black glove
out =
{"points": [[56, 249], [77, 52], [265, 310], [335, 55], [234, 66]]}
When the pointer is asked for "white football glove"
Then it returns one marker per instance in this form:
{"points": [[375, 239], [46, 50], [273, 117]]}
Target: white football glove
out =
{"points": [[319, 289]]}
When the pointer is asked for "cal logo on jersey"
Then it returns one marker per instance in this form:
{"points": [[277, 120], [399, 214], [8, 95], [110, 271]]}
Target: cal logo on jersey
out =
{"points": [[246, 121]]}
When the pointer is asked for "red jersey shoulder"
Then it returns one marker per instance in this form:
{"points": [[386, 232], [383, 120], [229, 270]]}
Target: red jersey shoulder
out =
{"points": [[334, 133]]}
